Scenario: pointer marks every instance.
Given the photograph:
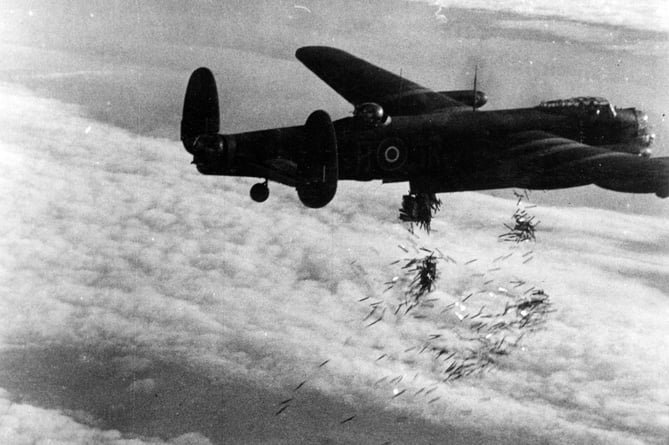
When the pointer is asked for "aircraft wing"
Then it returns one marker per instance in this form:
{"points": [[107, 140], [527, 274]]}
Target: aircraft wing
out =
{"points": [[359, 81], [540, 160]]}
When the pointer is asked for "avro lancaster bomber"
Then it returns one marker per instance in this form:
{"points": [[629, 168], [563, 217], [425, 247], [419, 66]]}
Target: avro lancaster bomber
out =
{"points": [[438, 142]]}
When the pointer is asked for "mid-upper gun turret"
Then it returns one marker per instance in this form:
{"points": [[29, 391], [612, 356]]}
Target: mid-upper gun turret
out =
{"points": [[371, 114]]}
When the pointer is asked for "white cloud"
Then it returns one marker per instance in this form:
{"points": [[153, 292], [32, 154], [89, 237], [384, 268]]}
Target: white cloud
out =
{"points": [[25, 424], [646, 15], [190, 439], [112, 241], [145, 386]]}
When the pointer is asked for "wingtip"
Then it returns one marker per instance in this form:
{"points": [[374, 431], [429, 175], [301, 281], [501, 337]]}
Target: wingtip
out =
{"points": [[306, 52], [299, 54]]}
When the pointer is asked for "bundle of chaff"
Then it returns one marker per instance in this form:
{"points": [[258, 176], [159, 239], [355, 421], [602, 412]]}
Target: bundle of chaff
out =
{"points": [[532, 310], [419, 208], [524, 227], [425, 274]]}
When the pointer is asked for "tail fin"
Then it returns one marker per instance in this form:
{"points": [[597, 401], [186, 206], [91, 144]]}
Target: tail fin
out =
{"points": [[201, 113]]}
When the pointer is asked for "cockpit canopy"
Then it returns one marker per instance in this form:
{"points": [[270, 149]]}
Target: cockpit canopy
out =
{"points": [[593, 106]]}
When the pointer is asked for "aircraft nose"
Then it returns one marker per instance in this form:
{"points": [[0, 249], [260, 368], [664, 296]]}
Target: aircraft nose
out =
{"points": [[644, 135], [641, 118]]}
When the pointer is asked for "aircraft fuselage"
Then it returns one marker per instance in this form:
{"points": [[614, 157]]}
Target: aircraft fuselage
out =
{"points": [[444, 151]]}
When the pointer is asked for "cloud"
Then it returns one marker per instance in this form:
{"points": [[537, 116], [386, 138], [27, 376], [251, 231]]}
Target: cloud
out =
{"points": [[644, 15], [190, 439], [21, 423], [145, 386], [113, 243]]}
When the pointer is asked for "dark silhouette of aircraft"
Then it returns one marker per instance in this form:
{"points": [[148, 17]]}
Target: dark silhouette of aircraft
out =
{"points": [[437, 141]]}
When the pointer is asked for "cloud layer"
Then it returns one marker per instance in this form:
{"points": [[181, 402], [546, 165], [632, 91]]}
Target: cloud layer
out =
{"points": [[112, 245]]}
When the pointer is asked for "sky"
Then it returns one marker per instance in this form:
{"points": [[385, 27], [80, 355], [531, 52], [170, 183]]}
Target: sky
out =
{"points": [[145, 303]]}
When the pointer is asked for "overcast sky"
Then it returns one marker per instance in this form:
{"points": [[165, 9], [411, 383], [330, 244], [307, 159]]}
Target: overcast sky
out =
{"points": [[142, 302]]}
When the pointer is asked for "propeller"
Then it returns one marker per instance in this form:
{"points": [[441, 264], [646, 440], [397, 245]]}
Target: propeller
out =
{"points": [[476, 67]]}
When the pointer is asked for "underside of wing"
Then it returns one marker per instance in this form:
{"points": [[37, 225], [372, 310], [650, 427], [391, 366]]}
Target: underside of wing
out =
{"points": [[359, 81], [540, 160]]}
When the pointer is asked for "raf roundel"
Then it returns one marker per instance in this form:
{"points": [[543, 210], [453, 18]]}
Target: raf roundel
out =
{"points": [[391, 154]]}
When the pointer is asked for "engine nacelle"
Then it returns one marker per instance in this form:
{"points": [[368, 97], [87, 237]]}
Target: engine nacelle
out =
{"points": [[317, 164], [470, 98], [371, 114]]}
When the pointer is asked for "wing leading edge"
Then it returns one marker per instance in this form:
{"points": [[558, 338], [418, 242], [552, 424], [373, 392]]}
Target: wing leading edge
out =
{"points": [[536, 159], [359, 81]]}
